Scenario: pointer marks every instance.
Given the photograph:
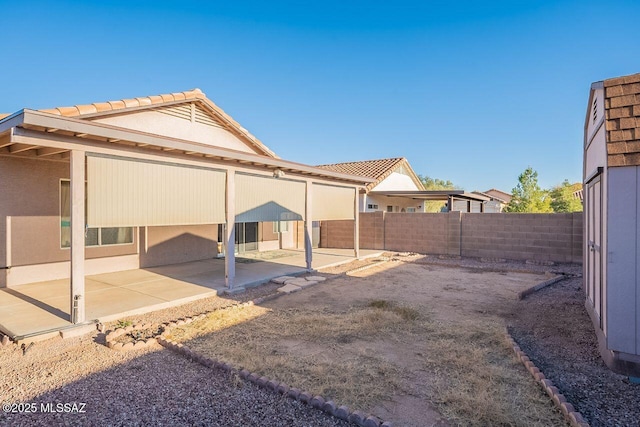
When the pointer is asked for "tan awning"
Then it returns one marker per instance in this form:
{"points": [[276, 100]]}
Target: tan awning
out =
{"points": [[123, 192], [331, 202], [261, 198]]}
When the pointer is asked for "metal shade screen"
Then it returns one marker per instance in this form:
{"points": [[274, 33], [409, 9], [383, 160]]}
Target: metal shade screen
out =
{"points": [[126, 192], [260, 198], [331, 202]]}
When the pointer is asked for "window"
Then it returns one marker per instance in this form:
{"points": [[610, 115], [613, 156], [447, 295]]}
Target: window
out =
{"points": [[92, 236], [389, 208], [371, 206], [280, 226], [411, 210]]}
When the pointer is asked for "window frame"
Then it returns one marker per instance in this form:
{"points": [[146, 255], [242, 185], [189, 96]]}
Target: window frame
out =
{"points": [[99, 229]]}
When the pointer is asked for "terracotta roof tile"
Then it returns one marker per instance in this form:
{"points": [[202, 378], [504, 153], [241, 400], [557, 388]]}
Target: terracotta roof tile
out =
{"points": [[622, 104], [102, 106], [130, 103], [193, 94], [86, 109], [3, 115], [375, 169], [143, 101]]}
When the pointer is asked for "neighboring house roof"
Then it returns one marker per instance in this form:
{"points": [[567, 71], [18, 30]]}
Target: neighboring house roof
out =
{"points": [[194, 95], [3, 115], [498, 195], [622, 105], [375, 169]]}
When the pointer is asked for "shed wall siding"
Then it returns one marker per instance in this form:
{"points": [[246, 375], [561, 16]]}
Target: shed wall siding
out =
{"points": [[622, 260]]}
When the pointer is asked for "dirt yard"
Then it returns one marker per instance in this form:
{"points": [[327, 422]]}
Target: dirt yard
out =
{"points": [[411, 342]]}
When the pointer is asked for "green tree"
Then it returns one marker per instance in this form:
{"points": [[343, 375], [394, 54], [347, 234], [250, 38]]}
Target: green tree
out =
{"points": [[562, 198], [435, 184], [527, 196]]}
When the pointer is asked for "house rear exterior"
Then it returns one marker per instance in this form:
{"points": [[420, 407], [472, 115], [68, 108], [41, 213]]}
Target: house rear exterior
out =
{"points": [[611, 187], [149, 181]]}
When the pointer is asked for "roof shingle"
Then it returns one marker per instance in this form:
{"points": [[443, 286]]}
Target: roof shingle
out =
{"points": [[622, 103]]}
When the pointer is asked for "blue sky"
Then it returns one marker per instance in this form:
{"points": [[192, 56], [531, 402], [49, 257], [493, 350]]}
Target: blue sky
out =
{"points": [[473, 92]]}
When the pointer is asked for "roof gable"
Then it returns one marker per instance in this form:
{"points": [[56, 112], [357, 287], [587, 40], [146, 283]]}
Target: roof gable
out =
{"points": [[376, 169], [622, 104], [186, 115]]}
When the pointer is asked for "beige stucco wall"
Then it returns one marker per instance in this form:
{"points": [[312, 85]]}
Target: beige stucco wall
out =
{"points": [[166, 125], [177, 244], [30, 197]]}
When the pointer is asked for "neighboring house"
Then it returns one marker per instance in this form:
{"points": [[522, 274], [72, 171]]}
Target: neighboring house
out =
{"points": [[149, 181], [498, 200], [611, 183], [397, 188]]}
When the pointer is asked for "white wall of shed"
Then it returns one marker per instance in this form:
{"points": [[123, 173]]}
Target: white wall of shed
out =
{"points": [[623, 260]]}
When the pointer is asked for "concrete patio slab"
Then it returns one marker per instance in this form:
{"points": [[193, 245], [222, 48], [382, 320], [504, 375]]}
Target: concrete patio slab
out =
{"points": [[36, 309]]}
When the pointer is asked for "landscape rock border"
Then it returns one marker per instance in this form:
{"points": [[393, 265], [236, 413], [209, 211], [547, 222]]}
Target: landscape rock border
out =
{"points": [[573, 417], [318, 402], [111, 336]]}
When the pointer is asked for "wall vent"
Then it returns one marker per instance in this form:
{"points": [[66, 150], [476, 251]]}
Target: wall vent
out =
{"points": [[595, 110]]}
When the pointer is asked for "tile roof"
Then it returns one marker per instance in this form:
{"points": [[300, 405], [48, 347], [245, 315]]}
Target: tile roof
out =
{"points": [[99, 108], [622, 105], [499, 194], [376, 169], [3, 115]]}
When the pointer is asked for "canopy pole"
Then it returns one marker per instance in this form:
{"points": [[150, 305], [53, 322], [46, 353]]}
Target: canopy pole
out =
{"points": [[308, 228], [77, 174], [230, 230], [356, 225]]}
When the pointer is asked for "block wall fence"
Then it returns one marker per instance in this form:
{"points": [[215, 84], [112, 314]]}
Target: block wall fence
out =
{"points": [[537, 237]]}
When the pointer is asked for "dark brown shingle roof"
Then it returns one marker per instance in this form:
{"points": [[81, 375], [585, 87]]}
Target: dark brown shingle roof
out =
{"points": [[376, 169], [622, 104]]}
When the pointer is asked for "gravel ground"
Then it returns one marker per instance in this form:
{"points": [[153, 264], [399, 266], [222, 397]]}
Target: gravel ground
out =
{"points": [[151, 386], [554, 329], [154, 386]]}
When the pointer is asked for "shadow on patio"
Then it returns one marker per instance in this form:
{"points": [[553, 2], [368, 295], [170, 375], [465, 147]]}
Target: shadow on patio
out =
{"points": [[42, 309]]}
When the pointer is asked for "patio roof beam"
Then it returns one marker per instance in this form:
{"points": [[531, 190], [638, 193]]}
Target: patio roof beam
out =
{"points": [[19, 148], [48, 151], [31, 118]]}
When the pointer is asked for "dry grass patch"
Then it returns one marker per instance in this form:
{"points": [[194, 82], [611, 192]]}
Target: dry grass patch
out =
{"points": [[478, 381], [324, 352], [367, 354]]}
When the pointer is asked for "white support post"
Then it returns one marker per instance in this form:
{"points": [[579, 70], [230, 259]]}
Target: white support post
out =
{"points": [[8, 243], [356, 225], [308, 228], [77, 236], [230, 230]]}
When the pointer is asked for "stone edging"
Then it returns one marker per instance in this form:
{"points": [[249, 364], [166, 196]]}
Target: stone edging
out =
{"points": [[112, 335], [573, 417], [342, 412], [541, 285]]}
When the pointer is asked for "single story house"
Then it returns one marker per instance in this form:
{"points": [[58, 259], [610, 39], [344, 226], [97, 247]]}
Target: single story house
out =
{"points": [[150, 181], [611, 183], [397, 188], [498, 200]]}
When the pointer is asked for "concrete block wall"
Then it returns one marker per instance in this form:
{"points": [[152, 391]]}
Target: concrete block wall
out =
{"points": [[337, 234], [536, 237], [422, 233]]}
